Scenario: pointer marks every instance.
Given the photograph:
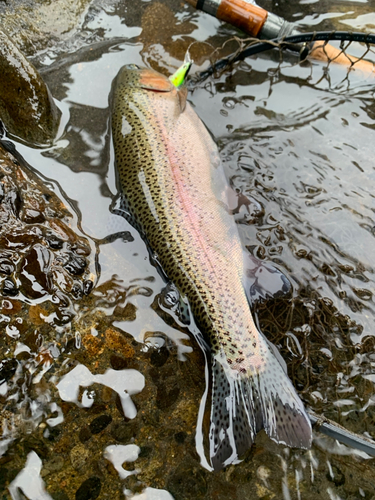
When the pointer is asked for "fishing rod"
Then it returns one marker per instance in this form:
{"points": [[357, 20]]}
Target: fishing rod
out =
{"points": [[264, 25]]}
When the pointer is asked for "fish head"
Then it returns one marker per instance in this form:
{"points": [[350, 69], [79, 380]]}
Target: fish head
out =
{"points": [[132, 75], [133, 78]]}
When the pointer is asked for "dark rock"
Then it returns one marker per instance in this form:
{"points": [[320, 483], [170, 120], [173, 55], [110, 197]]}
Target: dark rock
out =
{"points": [[34, 340], [117, 362], [80, 248], [89, 489], [71, 345], [76, 266], [166, 399], [54, 242], [87, 286], [54, 434], [84, 434], [10, 288], [77, 290], [8, 368], [26, 106], [31, 216], [14, 200], [124, 236], [6, 266], [159, 357], [100, 423], [64, 316], [145, 452], [180, 437], [123, 431], [34, 272]]}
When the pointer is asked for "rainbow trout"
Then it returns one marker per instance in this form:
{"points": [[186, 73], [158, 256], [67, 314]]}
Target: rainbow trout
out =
{"points": [[175, 191]]}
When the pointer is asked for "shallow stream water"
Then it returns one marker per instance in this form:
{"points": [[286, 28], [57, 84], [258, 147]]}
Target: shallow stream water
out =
{"points": [[297, 140]]}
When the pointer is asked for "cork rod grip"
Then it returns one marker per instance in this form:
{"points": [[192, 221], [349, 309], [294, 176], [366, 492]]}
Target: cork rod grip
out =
{"points": [[245, 16]]}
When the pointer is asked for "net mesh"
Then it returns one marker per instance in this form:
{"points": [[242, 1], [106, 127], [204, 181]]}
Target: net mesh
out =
{"points": [[352, 51]]}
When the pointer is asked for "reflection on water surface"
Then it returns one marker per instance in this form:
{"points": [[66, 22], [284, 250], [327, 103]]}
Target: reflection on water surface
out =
{"points": [[103, 402]]}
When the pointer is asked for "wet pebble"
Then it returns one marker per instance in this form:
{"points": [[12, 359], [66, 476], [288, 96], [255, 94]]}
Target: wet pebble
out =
{"points": [[54, 465], [117, 362], [61, 299], [89, 489], [34, 269], [8, 368], [33, 216], [80, 248], [76, 266], [123, 431], [166, 399], [159, 357], [100, 423], [78, 456], [26, 105], [14, 200], [180, 437], [6, 266], [77, 290], [87, 286], [145, 452], [84, 434], [54, 242], [10, 288]]}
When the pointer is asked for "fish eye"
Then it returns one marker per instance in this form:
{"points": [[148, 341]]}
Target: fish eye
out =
{"points": [[131, 66]]}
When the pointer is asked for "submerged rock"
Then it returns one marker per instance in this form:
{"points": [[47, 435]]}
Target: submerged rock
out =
{"points": [[29, 263], [37, 303], [27, 108], [35, 25]]}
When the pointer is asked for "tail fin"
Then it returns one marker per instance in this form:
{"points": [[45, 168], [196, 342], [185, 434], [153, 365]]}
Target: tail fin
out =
{"points": [[243, 404]]}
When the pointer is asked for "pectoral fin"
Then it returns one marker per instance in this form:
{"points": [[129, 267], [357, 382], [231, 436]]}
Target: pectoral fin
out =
{"points": [[151, 80]]}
